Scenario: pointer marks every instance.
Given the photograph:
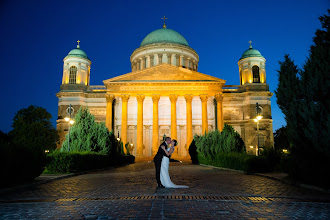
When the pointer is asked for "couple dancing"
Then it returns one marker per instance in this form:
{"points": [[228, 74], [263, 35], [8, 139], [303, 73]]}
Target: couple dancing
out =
{"points": [[162, 162]]}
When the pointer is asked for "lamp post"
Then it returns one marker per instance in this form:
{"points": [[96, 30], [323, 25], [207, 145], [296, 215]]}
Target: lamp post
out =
{"points": [[257, 119], [69, 111]]}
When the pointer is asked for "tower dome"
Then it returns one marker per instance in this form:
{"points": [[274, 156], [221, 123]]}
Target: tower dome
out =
{"points": [[164, 35], [251, 53], [76, 69], [77, 52], [252, 67]]}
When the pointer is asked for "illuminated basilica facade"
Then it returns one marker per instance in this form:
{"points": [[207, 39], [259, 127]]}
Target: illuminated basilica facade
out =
{"points": [[166, 95]]}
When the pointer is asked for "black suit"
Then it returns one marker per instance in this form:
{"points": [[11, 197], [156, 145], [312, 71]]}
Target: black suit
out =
{"points": [[158, 161]]}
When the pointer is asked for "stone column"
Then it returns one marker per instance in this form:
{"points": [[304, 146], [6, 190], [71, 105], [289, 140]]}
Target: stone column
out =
{"points": [[181, 63], [164, 59], [173, 99], [156, 59], [108, 117], [188, 63], [139, 128], [142, 63], [155, 124], [173, 59], [147, 61], [124, 101], [218, 98], [205, 126], [189, 119]]}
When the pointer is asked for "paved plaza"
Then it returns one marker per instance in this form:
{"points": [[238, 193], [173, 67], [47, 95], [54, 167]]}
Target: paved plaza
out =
{"points": [[130, 192]]}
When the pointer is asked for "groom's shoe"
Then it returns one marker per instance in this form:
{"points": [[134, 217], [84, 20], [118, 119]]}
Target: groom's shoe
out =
{"points": [[160, 186]]}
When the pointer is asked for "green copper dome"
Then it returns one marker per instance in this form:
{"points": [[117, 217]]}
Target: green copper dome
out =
{"points": [[164, 35], [77, 53], [251, 53]]}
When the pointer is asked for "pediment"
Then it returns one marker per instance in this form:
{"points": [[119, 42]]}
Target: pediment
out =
{"points": [[164, 73]]}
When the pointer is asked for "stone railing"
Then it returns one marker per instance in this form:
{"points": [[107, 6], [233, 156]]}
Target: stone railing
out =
{"points": [[99, 88], [231, 88]]}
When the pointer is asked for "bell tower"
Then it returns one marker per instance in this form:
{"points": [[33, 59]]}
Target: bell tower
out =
{"points": [[76, 70], [252, 67]]}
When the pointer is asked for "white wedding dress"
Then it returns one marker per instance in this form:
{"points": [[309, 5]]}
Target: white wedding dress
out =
{"points": [[164, 175]]}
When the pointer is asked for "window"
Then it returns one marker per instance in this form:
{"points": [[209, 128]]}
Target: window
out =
{"points": [[256, 75], [73, 75]]}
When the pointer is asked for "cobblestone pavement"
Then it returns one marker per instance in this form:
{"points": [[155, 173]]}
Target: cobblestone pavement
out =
{"points": [[130, 193]]}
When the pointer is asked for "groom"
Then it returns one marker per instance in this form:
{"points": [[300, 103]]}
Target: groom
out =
{"points": [[158, 159]]}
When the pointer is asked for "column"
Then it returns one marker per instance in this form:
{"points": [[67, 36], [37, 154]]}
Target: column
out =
{"points": [[142, 63], [147, 61], [181, 63], [204, 98], [173, 99], [218, 98], [188, 63], [139, 128], [124, 100], [173, 59], [155, 124], [189, 119], [108, 117], [156, 59], [164, 59]]}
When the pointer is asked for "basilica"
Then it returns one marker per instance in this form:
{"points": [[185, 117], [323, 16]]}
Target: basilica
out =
{"points": [[165, 95]]}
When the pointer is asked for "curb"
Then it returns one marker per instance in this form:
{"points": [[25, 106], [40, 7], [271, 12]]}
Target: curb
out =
{"points": [[274, 178], [29, 185]]}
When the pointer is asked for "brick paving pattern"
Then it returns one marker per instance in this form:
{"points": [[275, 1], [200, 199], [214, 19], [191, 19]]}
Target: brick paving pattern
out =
{"points": [[130, 193]]}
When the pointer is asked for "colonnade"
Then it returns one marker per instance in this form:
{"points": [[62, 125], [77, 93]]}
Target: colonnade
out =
{"points": [[155, 134], [154, 59]]}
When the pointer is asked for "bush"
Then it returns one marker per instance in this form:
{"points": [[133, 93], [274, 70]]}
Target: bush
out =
{"points": [[238, 161], [19, 163], [215, 142], [64, 162]]}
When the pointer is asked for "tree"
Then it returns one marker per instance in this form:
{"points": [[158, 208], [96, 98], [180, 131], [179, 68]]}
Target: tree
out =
{"points": [[287, 94], [32, 128], [281, 139], [304, 99], [87, 135]]}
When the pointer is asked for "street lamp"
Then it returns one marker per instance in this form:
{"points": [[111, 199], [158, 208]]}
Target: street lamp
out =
{"points": [[257, 119], [69, 111]]}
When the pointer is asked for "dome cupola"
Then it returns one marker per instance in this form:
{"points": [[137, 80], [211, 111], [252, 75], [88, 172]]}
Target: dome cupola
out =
{"points": [[76, 68], [164, 46], [252, 67]]}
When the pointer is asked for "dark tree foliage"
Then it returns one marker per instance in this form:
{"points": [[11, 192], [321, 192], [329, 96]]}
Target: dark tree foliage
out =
{"points": [[305, 103], [32, 128], [281, 139]]}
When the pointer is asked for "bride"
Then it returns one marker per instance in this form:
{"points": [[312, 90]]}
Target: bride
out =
{"points": [[164, 175]]}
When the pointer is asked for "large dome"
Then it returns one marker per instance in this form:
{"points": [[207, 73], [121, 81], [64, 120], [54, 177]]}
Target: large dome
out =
{"points": [[251, 53], [164, 35]]}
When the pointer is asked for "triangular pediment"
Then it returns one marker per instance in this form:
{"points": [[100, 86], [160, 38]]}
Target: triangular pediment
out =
{"points": [[164, 73]]}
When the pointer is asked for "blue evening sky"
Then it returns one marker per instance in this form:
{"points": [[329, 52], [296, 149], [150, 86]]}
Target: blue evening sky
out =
{"points": [[35, 36]]}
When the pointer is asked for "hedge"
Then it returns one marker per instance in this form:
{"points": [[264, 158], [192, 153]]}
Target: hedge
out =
{"points": [[63, 162], [238, 161]]}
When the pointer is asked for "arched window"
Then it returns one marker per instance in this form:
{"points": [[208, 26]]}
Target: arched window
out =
{"points": [[73, 75], [256, 75]]}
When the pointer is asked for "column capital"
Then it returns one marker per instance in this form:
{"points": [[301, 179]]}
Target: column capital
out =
{"points": [[173, 97], [203, 97], [124, 97], [188, 97], [218, 97], [155, 97], [109, 98], [140, 98]]}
